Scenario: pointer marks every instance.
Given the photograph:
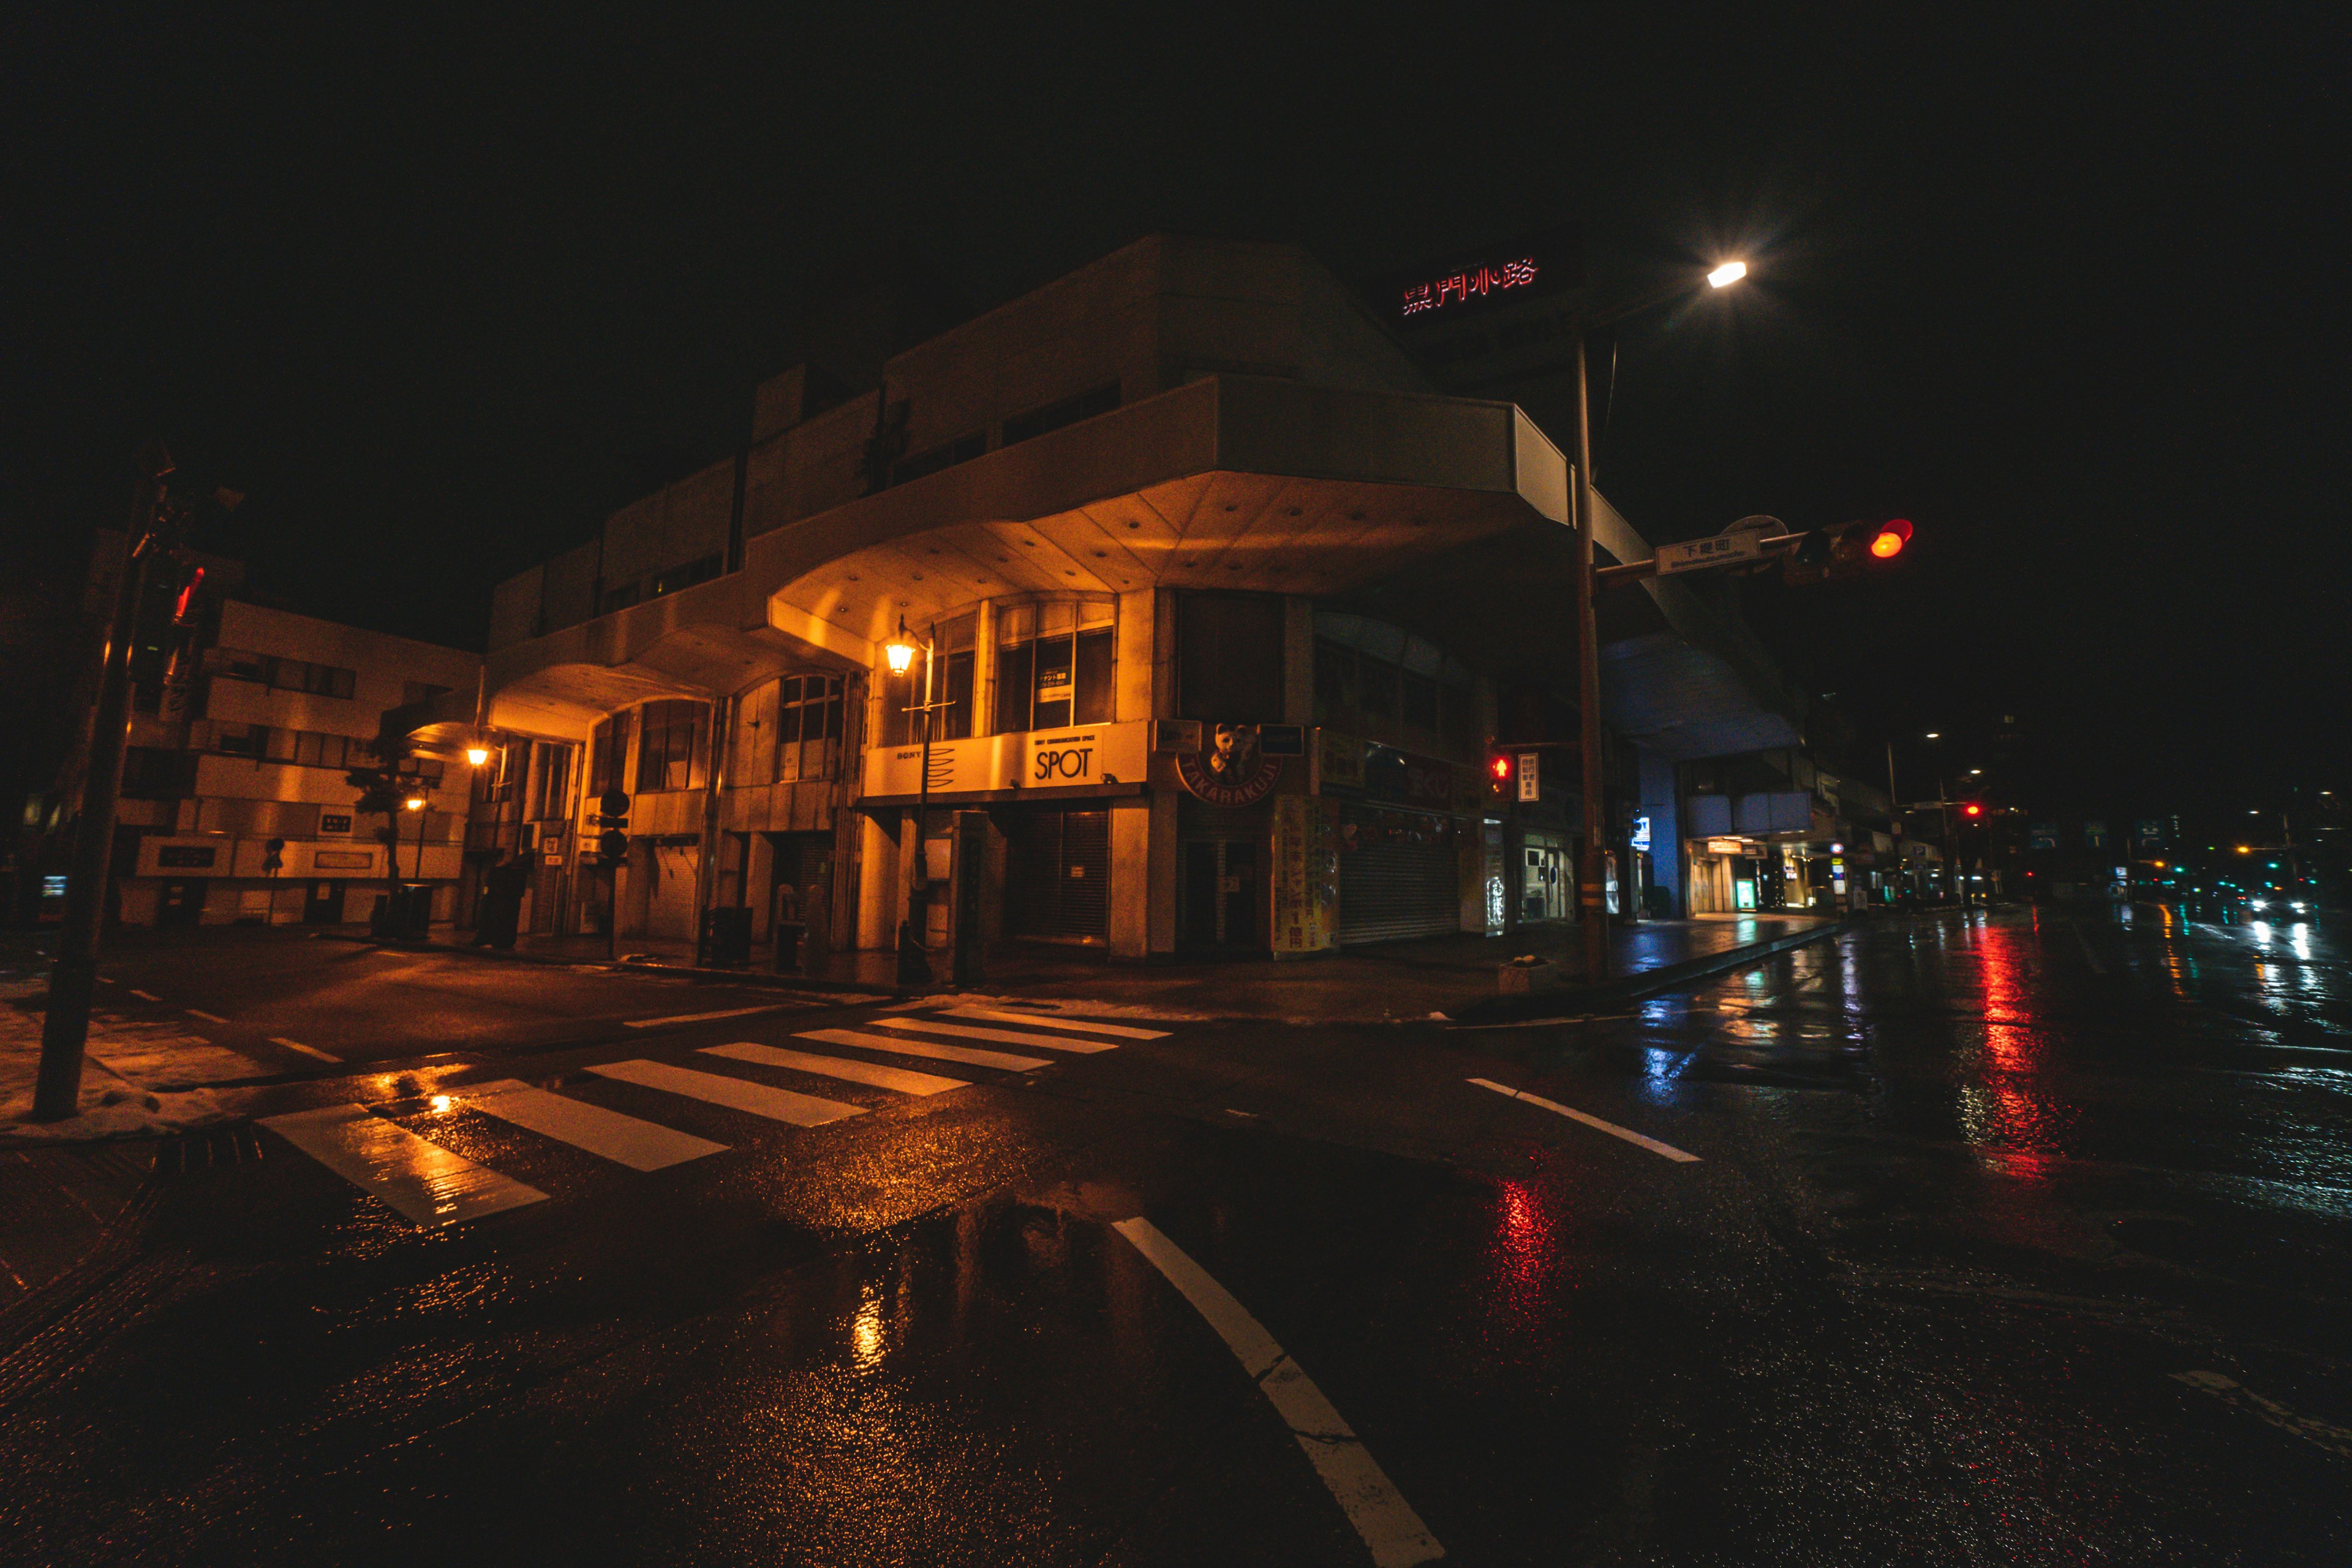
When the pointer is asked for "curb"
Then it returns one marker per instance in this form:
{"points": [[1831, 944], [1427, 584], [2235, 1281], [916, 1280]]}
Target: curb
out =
{"points": [[746, 976], [1569, 999]]}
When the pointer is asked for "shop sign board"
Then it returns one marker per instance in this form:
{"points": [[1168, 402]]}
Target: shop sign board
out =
{"points": [[1232, 769], [1306, 873], [1726, 847], [1339, 760], [1530, 776], [1083, 756], [1402, 778]]}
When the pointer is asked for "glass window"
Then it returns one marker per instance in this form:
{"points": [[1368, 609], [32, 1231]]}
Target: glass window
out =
{"points": [[608, 751], [1420, 701], [242, 740], [808, 727], [550, 800], [1376, 686], [1335, 680], [1054, 664], [670, 747]]}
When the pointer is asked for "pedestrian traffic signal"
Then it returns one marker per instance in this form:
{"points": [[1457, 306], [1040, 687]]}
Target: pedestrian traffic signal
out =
{"points": [[1499, 775]]}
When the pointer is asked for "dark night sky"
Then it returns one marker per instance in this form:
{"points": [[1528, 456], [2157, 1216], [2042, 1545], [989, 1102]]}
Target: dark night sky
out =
{"points": [[2061, 287]]}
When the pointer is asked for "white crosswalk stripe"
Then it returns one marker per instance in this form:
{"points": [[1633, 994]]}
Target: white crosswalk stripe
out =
{"points": [[1056, 1021], [627, 1139], [433, 1186], [1002, 1036], [735, 1093], [903, 1079], [426, 1183], [933, 1050]]}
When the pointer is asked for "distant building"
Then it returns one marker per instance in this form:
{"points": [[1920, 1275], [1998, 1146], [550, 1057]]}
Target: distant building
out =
{"points": [[236, 806]]}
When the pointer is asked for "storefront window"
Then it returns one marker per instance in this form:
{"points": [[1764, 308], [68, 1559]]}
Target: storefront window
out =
{"points": [[952, 684]]}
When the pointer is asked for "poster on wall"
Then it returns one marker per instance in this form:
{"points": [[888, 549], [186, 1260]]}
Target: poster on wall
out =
{"points": [[1306, 874]]}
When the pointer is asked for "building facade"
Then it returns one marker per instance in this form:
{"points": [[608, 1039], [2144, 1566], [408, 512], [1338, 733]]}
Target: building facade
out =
{"points": [[236, 805], [1213, 612]]}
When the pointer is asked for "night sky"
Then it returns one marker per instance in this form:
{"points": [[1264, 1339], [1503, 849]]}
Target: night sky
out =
{"points": [[2063, 290]]}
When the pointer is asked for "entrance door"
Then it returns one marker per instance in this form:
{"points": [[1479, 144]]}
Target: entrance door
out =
{"points": [[1222, 894], [1058, 873], [322, 903], [182, 903]]}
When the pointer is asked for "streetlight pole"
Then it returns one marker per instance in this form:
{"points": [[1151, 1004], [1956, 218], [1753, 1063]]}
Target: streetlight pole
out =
{"points": [[1592, 906], [65, 1026]]}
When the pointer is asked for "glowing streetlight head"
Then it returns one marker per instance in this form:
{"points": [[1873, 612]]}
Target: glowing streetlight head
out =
{"points": [[900, 650], [478, 754], [1728, 274], [415, 802], [1935, 734]]}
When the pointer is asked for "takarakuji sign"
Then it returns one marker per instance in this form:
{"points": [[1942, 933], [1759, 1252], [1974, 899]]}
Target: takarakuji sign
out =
{"points": [[1234, 769]]}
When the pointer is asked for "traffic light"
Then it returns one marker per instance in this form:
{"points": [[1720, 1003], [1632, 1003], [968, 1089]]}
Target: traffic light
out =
{"points": [[1972, 810], [273, 861], [165, 600], [1498, 776], [612, 822], [1846, 552]]}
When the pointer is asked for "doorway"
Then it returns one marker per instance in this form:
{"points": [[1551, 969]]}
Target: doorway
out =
{"points": [[1222, 894], [322, 903], [182, 903]]}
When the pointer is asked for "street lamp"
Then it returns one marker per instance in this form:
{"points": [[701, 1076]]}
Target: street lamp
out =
{"points": [[478, 754], [900, 651], [1591, 899], [415, 803]]}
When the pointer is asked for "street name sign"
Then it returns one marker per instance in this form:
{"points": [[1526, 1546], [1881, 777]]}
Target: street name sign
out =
{"points": [[1720, 551]]}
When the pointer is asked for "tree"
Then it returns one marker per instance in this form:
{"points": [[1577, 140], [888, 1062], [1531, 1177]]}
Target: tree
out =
{"points": [[383, 792]]}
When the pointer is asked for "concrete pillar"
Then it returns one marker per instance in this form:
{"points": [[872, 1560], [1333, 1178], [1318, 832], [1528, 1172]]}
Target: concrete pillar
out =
{"points": [[1132, 886], [1161, 884], [879, 884], [1663, 808]]}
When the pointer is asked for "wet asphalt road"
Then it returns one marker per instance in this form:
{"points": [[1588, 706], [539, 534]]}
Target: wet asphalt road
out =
{"points": [[2010, 1238]]}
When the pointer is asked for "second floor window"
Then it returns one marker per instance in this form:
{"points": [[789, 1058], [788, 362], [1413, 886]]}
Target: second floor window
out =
{"points": [[670, 749], [608, 752], [808, 727], [1054, 665]]}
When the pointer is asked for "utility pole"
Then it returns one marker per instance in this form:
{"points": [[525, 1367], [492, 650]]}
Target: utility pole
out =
{"points": [[65, 1029]]}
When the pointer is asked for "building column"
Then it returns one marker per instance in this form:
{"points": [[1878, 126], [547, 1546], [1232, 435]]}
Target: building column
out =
{"points": [[1131, 868], [878, 885]]}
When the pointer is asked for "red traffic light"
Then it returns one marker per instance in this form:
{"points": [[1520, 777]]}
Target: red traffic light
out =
{"points": [[1499, 768], [1972, 810], [1891, 539]]}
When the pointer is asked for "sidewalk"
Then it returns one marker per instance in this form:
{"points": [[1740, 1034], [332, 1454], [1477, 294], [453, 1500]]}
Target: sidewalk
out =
{"points": [[1386, 982]]}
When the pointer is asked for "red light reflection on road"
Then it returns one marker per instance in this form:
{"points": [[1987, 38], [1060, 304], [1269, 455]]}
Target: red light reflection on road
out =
{"points": [[2010, 1117], [1521, 1277]]}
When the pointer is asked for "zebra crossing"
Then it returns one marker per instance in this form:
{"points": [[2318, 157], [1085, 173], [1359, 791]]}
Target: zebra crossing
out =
{"points": [[432, 1185]]}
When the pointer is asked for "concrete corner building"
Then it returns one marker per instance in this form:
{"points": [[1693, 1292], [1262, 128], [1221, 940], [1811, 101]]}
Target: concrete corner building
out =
{"points": [[235, 802], [1218, 607]]}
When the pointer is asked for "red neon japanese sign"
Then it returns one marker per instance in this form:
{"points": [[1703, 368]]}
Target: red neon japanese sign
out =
{"points": [[1437, 293]]}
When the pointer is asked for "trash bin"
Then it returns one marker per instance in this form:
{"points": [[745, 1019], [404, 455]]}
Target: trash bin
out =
{"points": [[787, 946], [727, 937]]}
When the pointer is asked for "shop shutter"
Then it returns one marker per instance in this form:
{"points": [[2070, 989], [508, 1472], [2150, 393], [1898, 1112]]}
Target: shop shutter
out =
{"points": [[1057, 866], [1389, 891]]}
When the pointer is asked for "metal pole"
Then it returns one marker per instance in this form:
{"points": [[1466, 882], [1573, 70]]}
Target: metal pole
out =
{"points": [[65, 1027], [1591, 899]]}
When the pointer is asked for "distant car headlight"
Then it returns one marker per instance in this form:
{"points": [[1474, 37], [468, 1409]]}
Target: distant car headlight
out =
{"points": [[2298, 906], [2258, 903]]}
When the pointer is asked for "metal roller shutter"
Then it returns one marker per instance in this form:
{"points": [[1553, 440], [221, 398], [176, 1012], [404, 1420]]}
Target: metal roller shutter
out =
{"points": [[1057, 870], [1389, 891]]}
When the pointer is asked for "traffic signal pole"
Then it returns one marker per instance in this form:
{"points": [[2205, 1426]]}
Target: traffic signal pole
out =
{"points": [[65, 1027]]}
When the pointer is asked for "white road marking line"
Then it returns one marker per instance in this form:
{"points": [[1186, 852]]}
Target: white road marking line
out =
{"points": [[1002, 1036], [306, 1050], [1627, 1134], [145, 995], [735, 1093], [1391, 1529], [207, 1017], [936, 1052], [696, 1017], [629, 1141], [426, 1183], [102, 980], [903, 1079], [2335, 1439], [1056, 1021]]}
